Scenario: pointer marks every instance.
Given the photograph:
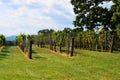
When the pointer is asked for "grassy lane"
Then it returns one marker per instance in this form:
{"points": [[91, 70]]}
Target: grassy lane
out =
{"points": [[46, 65], [87, 65], [12, 64]]}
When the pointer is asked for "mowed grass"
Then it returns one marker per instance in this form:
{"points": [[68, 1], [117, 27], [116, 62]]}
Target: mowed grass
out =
{"points": [[46, 65]]}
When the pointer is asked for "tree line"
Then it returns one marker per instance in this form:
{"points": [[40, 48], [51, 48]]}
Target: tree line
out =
{"points": [[2, 40], [83, 39], [91, 16], [24, 42], [61, 41], [97, 28]]}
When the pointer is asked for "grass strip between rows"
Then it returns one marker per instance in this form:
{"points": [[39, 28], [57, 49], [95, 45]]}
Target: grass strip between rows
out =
{"points": [[58, 52], [1, 48], [25, 54]]}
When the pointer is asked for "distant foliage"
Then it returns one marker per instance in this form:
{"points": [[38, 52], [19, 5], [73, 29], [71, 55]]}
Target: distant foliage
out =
{"points": [[25, 44], [2, 40]]}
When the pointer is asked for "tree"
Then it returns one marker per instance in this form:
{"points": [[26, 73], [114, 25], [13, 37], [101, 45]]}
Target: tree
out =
{"points": [[68, 35], [101, 39], [20, 41], [50, 38], [116, 12], [89, 14], [54, 37], [115, 21], [25, 44], [42, 35], [118, 30], [29, 46], [2, 40], [45, 37], [61, 39], [72, 47]]}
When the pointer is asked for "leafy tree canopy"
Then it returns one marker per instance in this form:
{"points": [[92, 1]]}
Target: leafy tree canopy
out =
{"points": [[90, 15]]}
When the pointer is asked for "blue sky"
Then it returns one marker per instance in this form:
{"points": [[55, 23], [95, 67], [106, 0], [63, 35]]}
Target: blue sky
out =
{"points": [[29, 16]]}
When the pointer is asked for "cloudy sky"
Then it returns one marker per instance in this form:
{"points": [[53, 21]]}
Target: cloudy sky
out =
{"points": [[29, 16]]}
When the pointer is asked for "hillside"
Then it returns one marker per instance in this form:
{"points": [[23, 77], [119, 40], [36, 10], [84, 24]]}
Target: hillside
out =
{"points": [[11, 38]]}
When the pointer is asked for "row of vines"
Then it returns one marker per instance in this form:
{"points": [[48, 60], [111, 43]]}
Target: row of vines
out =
{"points": [[2, 40], [62, 40], [69, 39], [24, 42]]}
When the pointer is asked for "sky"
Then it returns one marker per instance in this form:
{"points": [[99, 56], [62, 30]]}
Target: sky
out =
{"points": [[30, 16]]}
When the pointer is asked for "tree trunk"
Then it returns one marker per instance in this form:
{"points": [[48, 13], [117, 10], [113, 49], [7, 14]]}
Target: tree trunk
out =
{"points": [[37, 44], [72, 47], [67, 46], [51, 43], [96, 47], [83, 44], [105, 40], [24, 39], [112, 43], [22, 48], [60, 48], [40, 44], [102, 48], [55, 46], [80, 43], [30, 50], [51, 47], [68, 49]]}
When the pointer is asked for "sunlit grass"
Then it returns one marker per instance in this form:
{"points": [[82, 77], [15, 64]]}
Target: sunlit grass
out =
{"points": [[46, 65]]}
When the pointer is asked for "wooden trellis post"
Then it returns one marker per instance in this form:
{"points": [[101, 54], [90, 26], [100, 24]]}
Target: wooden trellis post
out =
{"points": [[29, 48], [72, 47]]}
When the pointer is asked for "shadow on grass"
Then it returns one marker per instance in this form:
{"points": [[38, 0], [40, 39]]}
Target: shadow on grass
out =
{"points": [[2, 56], [4, 52], [116, 52], [34, 52], [5, 49], [39, 57]]}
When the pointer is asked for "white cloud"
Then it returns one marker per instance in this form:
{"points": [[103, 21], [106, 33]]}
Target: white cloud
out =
{"points": [[29, 16]]}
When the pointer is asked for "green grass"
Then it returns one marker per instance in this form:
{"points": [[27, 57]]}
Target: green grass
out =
{"points": [[46, 65]]}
